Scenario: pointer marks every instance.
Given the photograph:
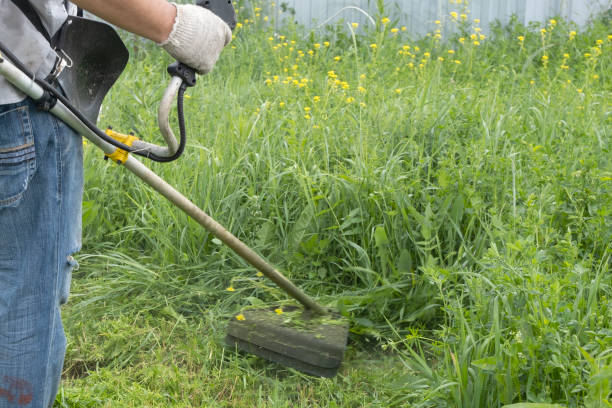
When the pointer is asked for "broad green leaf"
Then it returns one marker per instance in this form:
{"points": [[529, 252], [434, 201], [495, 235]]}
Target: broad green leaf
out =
{"points": [[381, 237], [487, 363], [404, 263]]}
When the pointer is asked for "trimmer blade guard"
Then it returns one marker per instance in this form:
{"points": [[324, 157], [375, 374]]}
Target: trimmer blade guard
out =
{"points": [[97, 56], [292, 337]]}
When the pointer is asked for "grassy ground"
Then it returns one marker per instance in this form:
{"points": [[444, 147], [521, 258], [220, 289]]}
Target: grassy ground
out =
{"points": [[451, 196]]}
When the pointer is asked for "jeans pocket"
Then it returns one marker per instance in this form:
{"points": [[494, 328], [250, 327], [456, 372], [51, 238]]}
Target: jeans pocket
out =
{"points": [[71, 264], [17, 154]]}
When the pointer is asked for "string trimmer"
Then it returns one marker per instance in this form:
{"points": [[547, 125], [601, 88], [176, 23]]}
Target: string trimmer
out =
{"points": [[312, 339]]}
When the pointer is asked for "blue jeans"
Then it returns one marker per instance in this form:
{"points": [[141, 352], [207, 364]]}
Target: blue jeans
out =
{"points": [[41, 188]]}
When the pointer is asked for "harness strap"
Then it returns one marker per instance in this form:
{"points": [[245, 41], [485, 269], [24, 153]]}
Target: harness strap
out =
{"points": [[27, 9]]}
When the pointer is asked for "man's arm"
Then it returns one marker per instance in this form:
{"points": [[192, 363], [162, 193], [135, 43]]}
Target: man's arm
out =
{"points": [[152, 19], [192, 34]]}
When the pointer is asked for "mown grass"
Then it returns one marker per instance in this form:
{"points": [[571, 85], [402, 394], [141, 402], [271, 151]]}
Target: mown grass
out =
{"points": [[451, 196]]}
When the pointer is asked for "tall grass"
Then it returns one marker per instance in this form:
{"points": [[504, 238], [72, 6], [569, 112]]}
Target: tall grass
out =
{"points": [[450, 195]]}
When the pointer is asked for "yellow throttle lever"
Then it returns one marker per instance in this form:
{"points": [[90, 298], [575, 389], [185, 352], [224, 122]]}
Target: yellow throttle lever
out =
{"points": [[120, 156]]}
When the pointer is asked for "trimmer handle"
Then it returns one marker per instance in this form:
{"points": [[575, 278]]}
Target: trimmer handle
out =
{"points": [[222, 8], [183, 76]]}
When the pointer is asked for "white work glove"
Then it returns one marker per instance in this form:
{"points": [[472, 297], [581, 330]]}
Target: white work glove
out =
{"points": [[197, 37]]}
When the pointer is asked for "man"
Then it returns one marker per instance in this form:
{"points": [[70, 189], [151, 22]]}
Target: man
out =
{"points": [[41, 182]]}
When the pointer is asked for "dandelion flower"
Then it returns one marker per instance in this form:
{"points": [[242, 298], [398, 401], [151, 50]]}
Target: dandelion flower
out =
{"points": [[317, 46], [477, 20], [373, 46], [355, 25], [240, 317], [404, 29], [278, 311], [454, 15], [337, 58], [521, 38], [438, 22], [395, 30], [385, 20], [451, 51], [259, 274], [398, 91], [230, 289], [316, 99], [326, 43]]}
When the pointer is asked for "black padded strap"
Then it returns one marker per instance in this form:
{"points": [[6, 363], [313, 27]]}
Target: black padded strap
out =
{"points": [[27, 9]]}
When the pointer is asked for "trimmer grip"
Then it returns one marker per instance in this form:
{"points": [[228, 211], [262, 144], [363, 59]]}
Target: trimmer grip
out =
{"points": [[222, 8]]}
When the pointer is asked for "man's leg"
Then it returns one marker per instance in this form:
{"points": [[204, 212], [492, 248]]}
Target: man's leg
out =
{"points": [[41, 184]]}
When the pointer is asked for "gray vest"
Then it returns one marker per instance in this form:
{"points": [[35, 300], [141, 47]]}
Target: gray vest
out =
{"points": [[26, 42]]}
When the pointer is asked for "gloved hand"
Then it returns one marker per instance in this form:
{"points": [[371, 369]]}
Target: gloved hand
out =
{"points": [[197, 37]]}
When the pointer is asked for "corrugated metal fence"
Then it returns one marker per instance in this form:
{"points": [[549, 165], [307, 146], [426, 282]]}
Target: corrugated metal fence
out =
{"points": [[419, 16]]}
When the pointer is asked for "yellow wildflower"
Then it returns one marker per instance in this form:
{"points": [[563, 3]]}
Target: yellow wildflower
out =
{"points": [[230, 289], [438, 22], [451, 51], [240, 317], [355, 25], [404, 29], [454, 15], [385, 20], [350, 99], [395, 30], [279, 311], [373, 46], [326, 43], [521, 38], [337, 58], [317, 46], [477, 20], [316, 99]]}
